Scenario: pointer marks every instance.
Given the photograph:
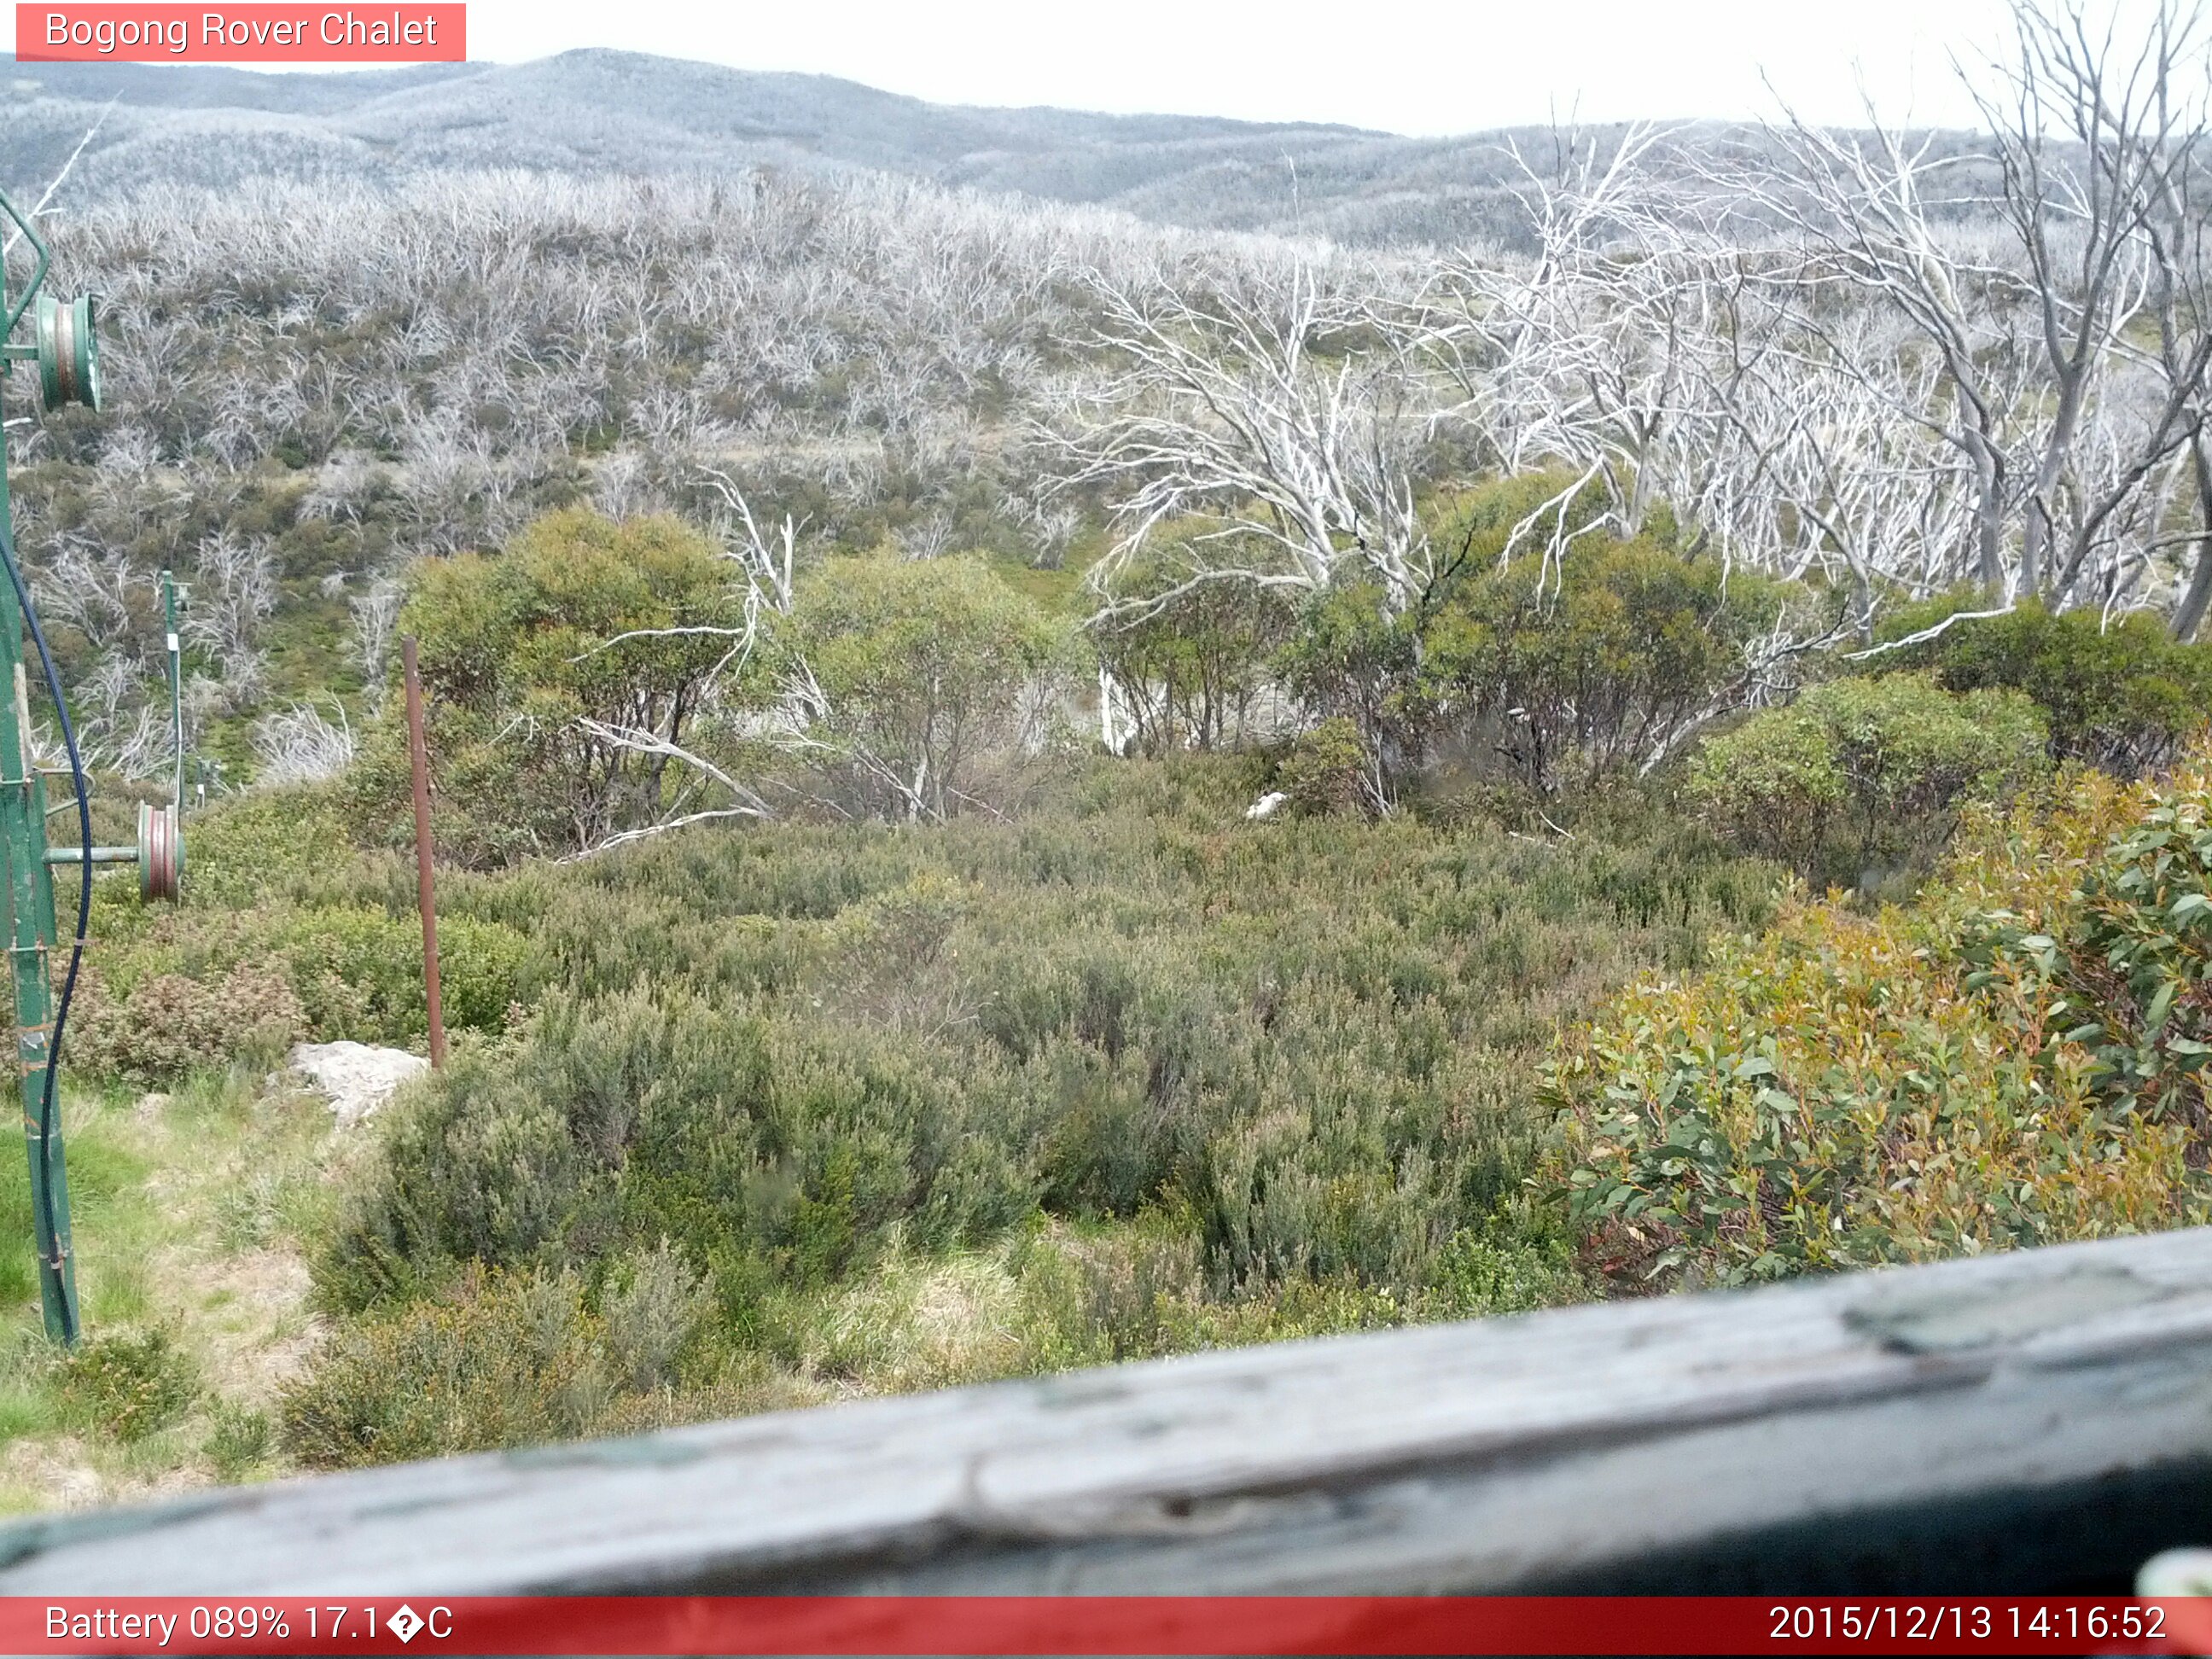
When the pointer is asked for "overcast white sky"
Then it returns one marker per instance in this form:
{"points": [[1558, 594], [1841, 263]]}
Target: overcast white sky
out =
{"points": [[1416, 66]]}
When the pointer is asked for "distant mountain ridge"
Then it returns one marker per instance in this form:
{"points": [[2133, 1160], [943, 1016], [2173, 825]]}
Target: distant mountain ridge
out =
{"points": [[613, 112]]}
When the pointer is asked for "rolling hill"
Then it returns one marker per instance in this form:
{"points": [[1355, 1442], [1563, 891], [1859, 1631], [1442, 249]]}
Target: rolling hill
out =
{"points": [[596, 111]]}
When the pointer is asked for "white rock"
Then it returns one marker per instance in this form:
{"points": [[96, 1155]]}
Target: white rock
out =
{"points": [[357, 1078], [1268, 805]]}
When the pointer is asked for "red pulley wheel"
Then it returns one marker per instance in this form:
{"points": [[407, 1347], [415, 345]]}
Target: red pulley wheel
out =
{"points": [[161, 853]]}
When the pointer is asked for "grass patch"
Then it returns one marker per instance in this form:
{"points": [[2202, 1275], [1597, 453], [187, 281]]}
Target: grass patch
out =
{"points": [[191, 1212]]}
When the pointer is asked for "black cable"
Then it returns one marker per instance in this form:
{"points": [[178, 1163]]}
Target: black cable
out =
{"points": [[77, 949]]}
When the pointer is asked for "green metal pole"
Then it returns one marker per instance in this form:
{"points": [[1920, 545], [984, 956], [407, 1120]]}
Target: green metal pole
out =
{"points": [[30, 928], [67, 359], [176, 684]]}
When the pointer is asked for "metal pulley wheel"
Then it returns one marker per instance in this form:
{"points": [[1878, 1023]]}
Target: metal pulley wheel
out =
{"points": [[68, 351], [161, 852]]}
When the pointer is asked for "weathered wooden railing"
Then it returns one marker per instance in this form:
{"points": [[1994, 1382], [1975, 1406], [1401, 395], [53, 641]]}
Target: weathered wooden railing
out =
{"points": [[2032, 1422]]}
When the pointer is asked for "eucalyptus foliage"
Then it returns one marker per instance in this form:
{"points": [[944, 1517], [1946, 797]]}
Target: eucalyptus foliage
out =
{"points": [[2016, 1060]]}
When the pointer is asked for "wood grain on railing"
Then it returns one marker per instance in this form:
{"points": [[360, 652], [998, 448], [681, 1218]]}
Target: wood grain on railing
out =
{"points": [[2026, 1421]]}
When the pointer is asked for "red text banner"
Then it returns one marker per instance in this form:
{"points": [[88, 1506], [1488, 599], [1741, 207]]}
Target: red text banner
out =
{"points": [[1079, 1624], [260, 33]]}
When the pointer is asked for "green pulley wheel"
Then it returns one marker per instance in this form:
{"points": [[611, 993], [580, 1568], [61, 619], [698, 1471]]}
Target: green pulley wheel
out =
{"points": [[68, 351]]}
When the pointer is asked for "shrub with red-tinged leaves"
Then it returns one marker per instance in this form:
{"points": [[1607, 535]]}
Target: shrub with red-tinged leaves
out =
{"points": [[171, 1024]]}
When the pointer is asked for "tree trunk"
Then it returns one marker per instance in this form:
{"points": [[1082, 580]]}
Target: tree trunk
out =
{"points": [[1989, 521], [2189, 613]]}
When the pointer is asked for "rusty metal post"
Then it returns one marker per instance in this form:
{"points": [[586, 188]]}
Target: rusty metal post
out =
{"points": [[418, 756]]}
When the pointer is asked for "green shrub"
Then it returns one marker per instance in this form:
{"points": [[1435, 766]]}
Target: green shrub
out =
{"points": [[358, 972], [129, 1383], [2130, 968], [1858, 777], [1479, 1275], [1354, 662], [261, 845], [479, 1166], [1851, 1090], [937, 681], [1192, 663], [802, 1052], [346, 970], [503, 1360], [277, 888], [517, 649], [1553, 669], [239, 1441], [1326, 769], [2119, 694], [654, 1307], [640, 1117], [1141, 1291], [1561, 674], [1106, 1300]]}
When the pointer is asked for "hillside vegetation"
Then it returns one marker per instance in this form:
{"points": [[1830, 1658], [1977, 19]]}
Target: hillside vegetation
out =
{"points": [[1084, 1063], [771, 1117], [1015, 789]]}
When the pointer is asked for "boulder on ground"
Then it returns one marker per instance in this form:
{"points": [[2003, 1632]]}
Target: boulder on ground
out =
{"points": [[357, 1078]]}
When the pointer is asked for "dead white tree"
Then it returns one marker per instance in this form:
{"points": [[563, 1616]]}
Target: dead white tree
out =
{"points": [[1860, 209], [119, 728], [2030, 295], [2178, 231], [1581, 355], [2092, 133], [235, 592], [375, 621], [765, 559], [743, 803], [1268, 412], [299, 744]]}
